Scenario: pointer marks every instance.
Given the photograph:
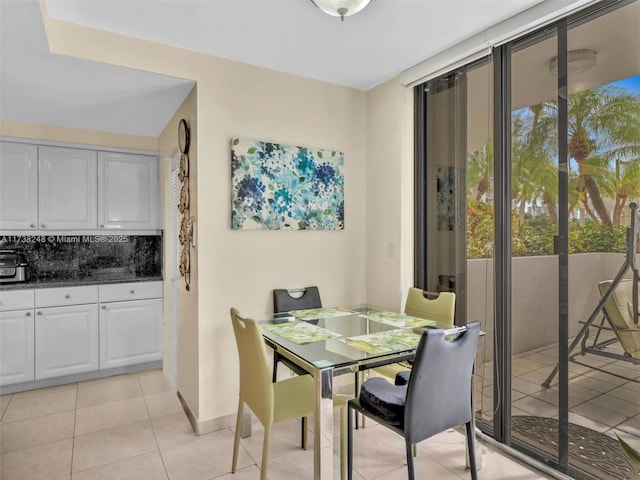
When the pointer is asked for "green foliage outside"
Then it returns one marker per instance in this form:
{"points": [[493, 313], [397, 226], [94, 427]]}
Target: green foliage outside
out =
{"points": [[534, 237], [603, 175]]}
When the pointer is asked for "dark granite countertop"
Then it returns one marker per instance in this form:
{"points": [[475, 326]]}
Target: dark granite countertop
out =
{"points": [[77, 281]]}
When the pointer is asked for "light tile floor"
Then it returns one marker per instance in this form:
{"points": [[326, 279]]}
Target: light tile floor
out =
{"points": [[597, 400], [133, 427]]}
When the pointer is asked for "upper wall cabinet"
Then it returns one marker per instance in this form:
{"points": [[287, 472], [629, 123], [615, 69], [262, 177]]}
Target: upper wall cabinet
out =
{"points": [[63, 188], [67, 188], [128, 193], [18, 186]]}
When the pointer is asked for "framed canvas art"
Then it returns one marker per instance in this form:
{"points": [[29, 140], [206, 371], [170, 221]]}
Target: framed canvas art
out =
{"points": [[276, 187]]}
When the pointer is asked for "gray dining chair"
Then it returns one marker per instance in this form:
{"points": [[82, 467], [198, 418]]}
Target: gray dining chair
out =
{"points": [[285, 300], [438, 394]]}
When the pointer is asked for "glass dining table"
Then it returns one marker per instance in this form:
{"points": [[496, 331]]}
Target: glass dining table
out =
{"points": [[329, 342]]}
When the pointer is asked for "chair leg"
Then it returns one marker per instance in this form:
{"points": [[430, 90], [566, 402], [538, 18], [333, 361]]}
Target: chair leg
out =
{"points": [[304, 433], [410, 469], [236, 438], [265, 452], [274, 375], [343, 442], [349, 442], [356, 384], [471, 447]]}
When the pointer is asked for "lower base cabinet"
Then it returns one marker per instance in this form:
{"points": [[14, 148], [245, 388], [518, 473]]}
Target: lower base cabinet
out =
{"points": [[66, 340], [16, 346], [130, 332], [62, 331]]}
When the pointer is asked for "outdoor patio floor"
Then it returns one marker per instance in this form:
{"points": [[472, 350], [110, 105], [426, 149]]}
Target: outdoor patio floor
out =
{"points": [[598, 401]]}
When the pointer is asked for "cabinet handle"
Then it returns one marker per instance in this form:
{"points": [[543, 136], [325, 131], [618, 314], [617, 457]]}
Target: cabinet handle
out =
{"points": [[67, 296], [33, 225], [40, 312], [101, 225], [104, 307], [28, 314], [42, 225], [132, 291]]}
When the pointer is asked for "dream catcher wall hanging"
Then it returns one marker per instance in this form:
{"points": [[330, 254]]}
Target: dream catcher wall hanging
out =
{"points": [[186, 224]]}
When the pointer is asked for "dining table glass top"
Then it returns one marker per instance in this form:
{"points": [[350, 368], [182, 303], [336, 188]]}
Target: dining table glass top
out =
{"points": [[342, 337]]}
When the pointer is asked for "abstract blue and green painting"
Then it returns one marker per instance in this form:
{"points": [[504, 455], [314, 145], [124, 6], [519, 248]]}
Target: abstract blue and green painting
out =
{"points": [[275, 187]]}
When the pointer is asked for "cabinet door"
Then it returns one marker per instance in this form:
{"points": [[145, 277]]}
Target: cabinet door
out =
{"points": [[68, 184], [128, 191], [16, 346], [66, 340], [130, 332], [18, 186]]}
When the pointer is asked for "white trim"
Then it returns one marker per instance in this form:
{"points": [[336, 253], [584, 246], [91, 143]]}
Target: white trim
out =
{"points": [[481, 44], [101, 148]]}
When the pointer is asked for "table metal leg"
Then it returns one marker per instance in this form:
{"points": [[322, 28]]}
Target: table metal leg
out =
{"points": [[323, 426]]}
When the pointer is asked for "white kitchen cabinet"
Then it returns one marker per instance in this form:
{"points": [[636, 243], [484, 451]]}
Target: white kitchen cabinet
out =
{"points": [[16, 346], [66, 331], [68, 183], [130, 323], [128, 191], [66, 340], [16, 336], [18, 186], [130, 332]]}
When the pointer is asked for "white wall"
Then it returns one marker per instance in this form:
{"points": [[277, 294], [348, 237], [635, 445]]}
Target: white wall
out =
{"points": [[240, 268], [535, 295]]}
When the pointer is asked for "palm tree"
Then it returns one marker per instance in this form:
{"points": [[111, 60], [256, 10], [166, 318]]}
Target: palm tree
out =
{"points": [[534, 175], [480, 171], [627, 185], [603, 126]]}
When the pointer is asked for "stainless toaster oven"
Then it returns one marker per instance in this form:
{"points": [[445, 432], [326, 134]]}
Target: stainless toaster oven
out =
{"points": [[13, 267]]}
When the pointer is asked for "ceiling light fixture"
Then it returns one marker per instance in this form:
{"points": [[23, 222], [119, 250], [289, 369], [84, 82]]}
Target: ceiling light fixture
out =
{"points": [[578, 61], [341, 8]]}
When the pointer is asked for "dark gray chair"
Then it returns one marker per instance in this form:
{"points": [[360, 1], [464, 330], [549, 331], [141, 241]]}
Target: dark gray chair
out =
{"points": [[438, 394], [284, 301]]}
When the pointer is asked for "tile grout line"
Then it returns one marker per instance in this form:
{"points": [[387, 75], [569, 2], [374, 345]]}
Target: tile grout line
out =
{"points": [[155, 437], [73, 438]]}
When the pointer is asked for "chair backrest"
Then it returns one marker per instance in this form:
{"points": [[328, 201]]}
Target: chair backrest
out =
{"points": [[256, 388], [283, 301], [619, 313], [442, 308], [439, 389]]}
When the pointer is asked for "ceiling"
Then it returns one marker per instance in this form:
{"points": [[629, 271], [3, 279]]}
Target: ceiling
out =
{"points": [[292, 36]]}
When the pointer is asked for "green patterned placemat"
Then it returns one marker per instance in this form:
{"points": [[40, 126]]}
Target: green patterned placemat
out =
{"points": [[384, 342], [315, 313], [400, 320], [300, 332]]}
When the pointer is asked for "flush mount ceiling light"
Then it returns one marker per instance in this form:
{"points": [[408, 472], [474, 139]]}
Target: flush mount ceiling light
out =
{"points": [[578, 61], [341, 8]]}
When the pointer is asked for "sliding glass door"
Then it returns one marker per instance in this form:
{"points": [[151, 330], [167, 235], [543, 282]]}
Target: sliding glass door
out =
{"points": [[526, 164]]}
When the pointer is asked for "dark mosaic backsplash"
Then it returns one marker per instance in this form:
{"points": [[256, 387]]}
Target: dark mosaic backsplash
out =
{"points": [[78, 257]]}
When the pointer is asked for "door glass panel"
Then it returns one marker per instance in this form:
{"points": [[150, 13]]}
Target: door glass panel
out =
{"points": [[480, 225], [534, 264], [603, 67]]}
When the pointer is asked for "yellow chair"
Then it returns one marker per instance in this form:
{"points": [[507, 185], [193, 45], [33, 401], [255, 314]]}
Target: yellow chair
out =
{"points": [[272, 402], [619, 312], [441, 309]]}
